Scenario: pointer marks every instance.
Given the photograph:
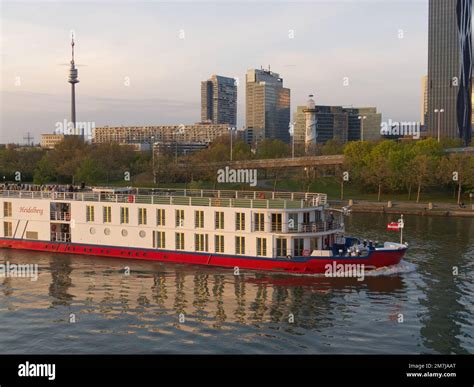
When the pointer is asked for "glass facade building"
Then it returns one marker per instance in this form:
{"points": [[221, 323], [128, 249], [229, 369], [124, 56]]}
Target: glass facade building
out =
{"points": [[339, 123], [219, 100], [267, 104], [450, 69]]}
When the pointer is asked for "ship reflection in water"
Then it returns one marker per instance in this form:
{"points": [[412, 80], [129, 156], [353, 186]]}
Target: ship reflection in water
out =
{"points": [[93, 305]]}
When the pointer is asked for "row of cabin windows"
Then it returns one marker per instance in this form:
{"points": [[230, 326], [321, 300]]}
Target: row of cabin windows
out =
{"points": [[259, 218], [179, 216], [201, 243]]}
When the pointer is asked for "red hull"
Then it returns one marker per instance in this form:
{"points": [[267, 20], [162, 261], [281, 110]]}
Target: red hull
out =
{"points": [[300, 265]]}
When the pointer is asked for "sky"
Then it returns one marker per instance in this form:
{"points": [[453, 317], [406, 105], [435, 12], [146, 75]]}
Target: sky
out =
{"points": [[141, 62]]}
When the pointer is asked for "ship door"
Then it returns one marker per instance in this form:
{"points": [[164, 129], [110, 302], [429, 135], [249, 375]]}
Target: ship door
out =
{"points": [[298, 247], [281, 247], [276, 222]]}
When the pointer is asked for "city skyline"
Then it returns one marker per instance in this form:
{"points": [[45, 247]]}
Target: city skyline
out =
{"points": [[164, 72]]}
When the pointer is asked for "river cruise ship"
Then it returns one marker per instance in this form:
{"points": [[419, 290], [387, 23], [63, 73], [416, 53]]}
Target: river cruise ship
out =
{"points": [[258, 230]]}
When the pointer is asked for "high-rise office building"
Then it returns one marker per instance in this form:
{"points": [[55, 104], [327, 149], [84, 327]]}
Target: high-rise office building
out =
{"points": [[267, 104], [424, 100], [339, 123], [450, 69], [219, 100]]}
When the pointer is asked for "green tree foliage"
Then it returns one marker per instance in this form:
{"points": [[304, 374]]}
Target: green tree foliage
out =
{"points": [[378, 172], [114, 159], [45, 171], [332, 147], [68, 156], [89, 172], [272, 149], [457, 169], [23, 160]]}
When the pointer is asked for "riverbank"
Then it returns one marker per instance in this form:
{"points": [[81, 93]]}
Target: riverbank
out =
{"points": [[389, 207]]}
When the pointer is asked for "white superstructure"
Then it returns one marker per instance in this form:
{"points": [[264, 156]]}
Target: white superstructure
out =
{"points": [[250, 223]]}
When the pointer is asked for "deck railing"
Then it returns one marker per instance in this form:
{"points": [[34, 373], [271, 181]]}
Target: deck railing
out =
{"points": [[60, 237], [211, 198], [63, 216], [319, 226]]}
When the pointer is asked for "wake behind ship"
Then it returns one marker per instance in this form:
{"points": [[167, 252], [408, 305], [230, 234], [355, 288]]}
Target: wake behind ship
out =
{"points": [[257, 230]]}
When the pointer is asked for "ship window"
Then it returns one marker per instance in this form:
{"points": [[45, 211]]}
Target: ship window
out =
{"points": [[259, 221], [107, 231], [281, 247], [124, 232], [7, 229], [276, 222], [179, 239], [31, 235], [124, 215], [159, 239], [199, 219], [240, 245], [317, 216], [142, 234], [293, 221], [160, 217], [219, 243], [219, 220], [201, 242], [179, 218], [298, 247], [306, 217], [142, 216], [107, 214], [92, 230], [262, 247], [240, 221], [89, 213], [7, 209]]}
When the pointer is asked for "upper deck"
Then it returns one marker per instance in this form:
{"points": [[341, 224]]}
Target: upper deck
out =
{"points": [[190, 197]]}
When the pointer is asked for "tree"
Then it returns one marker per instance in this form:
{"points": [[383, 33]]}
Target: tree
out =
{"points": [[272, 149], [332, 147], [44, 171], [89, 172], [378, 172], [68, 156], [424, 171], [242, 151], [355, 158], [457, 169], [113, 158]]}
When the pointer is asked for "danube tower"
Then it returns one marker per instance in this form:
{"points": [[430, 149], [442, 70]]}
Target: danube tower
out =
{"points": [[73, 80]]}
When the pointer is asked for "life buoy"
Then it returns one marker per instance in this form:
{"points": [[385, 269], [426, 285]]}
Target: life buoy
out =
{"points": [[131, 198]]}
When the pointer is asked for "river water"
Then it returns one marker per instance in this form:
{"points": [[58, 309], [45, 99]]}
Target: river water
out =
{"points": [[90, 305]]}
